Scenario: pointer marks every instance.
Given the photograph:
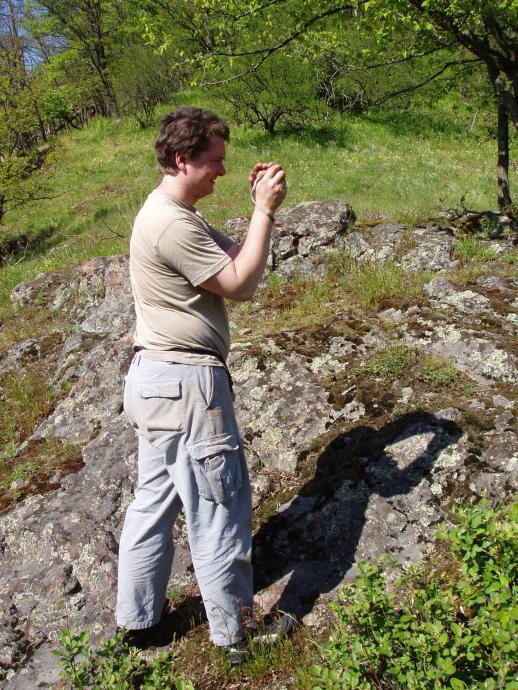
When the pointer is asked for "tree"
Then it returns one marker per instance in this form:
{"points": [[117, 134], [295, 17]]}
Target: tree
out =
{"points": [[96, 28], [488, 30], [281, 91], [257, 29], [140, 91]]}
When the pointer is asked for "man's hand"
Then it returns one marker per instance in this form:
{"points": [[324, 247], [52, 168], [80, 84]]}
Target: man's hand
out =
{"points": [[270, 182], [238, 280], [256, 170]]}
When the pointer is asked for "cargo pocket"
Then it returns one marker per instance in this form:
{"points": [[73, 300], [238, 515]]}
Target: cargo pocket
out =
{"points": [[160, 406], [216, 464]]}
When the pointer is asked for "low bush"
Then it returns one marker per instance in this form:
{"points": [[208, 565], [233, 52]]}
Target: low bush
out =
{"points": [[454, 629], [113, 665], [388, 365], [440, 373]]}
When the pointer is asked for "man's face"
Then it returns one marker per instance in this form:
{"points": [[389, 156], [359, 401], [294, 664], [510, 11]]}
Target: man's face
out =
{"points": [[203, 170]]}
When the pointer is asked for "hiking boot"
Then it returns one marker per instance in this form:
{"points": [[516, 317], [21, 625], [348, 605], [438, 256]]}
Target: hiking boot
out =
{"points": [[274, 626], [237, 653], [142, 637]]}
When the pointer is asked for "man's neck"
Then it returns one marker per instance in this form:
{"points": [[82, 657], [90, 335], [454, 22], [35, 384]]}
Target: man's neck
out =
{"points": [[172, 185]]}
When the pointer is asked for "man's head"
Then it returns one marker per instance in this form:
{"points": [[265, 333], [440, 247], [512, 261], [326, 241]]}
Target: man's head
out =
{"points": [[188, 132]]}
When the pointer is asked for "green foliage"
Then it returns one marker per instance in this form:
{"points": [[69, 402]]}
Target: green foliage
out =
{"points": [[283, 90], [471, 248], [439, 372], [377, 163], [368, 283], [24, 400], [454, 630], [20, 128], [113, 665], [389, 364], [140, 91]]}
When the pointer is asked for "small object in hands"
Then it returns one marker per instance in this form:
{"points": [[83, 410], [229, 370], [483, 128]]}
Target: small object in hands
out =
{"points": [[254, 187]]}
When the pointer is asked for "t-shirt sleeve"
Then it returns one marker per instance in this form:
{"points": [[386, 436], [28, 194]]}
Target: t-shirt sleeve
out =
{"points": [[222, 240], [188, 248]]}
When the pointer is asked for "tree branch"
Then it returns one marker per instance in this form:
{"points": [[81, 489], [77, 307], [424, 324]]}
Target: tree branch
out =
{"points": [[296, 34], [408, 58], [414, 87]]}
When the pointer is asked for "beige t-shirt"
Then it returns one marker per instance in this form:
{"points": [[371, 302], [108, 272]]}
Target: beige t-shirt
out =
{"points": [[172, 250]]}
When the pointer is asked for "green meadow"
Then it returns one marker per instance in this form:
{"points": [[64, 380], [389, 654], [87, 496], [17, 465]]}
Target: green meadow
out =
{"points": [[407, 166]]}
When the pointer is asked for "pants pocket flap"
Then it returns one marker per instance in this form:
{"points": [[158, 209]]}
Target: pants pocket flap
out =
{"points": [[212, 446], [160, 389]]}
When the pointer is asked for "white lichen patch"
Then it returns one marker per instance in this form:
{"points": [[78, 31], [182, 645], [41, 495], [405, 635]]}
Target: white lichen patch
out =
{"points": [[449, 334], [448, 458], [467, 301], [407, 450], [257, 392], [498, 365], [326, 361], [247, 367], [436, 489]]}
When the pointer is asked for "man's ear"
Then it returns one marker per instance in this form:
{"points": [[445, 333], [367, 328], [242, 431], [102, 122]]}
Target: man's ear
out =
{"points": [[179, 159]]}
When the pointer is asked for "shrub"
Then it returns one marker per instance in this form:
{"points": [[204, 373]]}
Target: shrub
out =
{"points": [[470, 248], [388, 364], [281, 91], [455, 631], [439, 372], [140, 91], [113, 665]]}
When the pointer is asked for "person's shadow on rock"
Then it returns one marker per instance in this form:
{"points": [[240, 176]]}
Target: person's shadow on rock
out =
{"points": [[309, 547]]}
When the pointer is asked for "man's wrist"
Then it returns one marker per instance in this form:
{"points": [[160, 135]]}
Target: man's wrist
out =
{"points": [[265, 212]]}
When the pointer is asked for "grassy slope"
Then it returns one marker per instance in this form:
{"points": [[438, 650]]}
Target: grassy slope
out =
{"points": [[406, 165]]}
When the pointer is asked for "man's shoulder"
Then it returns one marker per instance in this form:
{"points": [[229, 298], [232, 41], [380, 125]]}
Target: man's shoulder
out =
{"points": [[159, 212]]}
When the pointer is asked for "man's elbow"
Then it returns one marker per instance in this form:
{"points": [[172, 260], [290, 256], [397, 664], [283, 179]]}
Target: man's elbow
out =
{"points": [[243, 295]]}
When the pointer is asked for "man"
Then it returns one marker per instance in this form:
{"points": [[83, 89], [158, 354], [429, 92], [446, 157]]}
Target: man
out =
{"points": [[177, 391]]}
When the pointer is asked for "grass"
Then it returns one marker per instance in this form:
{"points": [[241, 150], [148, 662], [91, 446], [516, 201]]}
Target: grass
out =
{"points": [[380, 162], [25, 400], [111, 664], [470, 248], [345, 285], [388, 365], [464, 635], [27, 467], [440, 373]]}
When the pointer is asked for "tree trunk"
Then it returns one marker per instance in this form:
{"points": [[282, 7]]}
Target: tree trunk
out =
{"points": [[502, 168]]}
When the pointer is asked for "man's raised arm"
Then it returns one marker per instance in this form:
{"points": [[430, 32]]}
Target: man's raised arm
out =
{"points": [[239, 279]]}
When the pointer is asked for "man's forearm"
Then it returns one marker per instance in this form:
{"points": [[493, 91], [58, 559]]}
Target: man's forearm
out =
{"points": [[250, 261]]}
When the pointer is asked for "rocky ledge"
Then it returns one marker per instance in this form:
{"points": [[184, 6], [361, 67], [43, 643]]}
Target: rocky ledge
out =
{"points": [[349, 456]]}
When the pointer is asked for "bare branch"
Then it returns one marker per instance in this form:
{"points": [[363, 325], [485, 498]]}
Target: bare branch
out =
{"points": [[397, 61], [20, 201], [417, 86]]}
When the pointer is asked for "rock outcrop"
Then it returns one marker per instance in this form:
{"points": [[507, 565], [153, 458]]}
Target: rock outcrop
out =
{"points": [[344, 466]]}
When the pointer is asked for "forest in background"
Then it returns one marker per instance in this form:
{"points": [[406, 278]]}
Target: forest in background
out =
{"points": [[282, 65]]}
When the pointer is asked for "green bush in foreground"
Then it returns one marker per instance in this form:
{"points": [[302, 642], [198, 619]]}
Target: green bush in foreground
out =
{"points": [[456, 630], [114, 666]]}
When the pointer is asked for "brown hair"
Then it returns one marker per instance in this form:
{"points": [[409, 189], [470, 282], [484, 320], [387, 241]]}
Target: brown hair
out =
{"points": [[188, 131]]}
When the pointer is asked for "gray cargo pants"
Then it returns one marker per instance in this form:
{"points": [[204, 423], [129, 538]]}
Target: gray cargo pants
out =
{"points": [[190, 454]]}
